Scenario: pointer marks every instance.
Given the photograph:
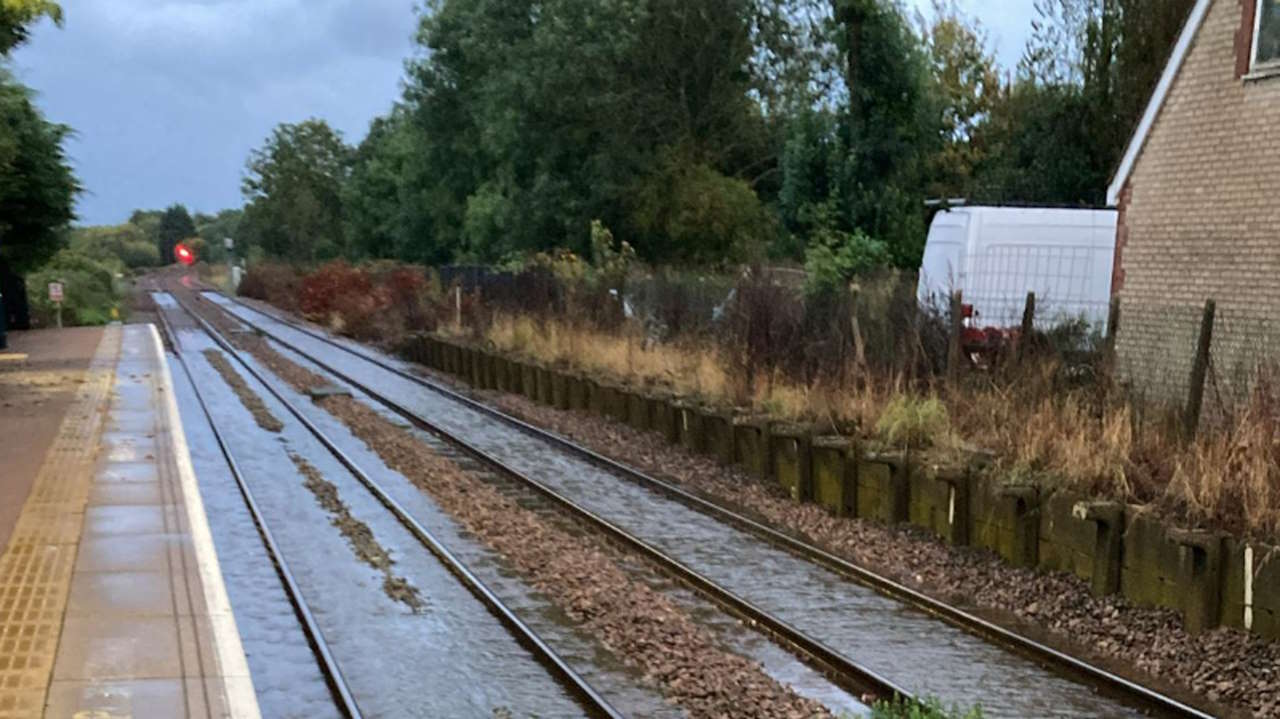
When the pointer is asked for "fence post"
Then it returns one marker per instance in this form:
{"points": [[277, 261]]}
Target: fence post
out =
{"points": [[859, 347], [955, 350], [457, 307], [1199, 368], [1028, 325]]}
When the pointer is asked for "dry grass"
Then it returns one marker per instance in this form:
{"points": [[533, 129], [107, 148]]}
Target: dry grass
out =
{"points": [[1231, 477], [1074, 438], [685, 368], [626, 356]]}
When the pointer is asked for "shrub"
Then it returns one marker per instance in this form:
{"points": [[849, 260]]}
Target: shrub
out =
{"points": [[122, 246], [136, 255], [89, 294], [346, 299], [838, 257], [690, 211], [410, 292], [274, 283], [322, 292], [914, 423]]}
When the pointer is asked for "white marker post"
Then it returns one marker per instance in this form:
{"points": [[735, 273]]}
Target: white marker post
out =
{"points": [[55, 296], [230, 245]]}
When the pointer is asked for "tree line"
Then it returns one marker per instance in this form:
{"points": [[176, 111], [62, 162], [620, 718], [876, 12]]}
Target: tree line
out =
{"points": [[699, 132], [712, 131]]}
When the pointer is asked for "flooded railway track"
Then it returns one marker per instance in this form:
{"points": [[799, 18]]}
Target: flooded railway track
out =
{"points": [[334, 679], [1104, 693], [588, 699]]}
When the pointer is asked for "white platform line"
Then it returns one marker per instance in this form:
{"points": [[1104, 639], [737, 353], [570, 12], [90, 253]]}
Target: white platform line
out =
{"points": [[233, 667]]}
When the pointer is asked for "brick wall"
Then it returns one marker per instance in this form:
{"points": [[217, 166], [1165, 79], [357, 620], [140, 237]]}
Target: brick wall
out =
{"points": [[1202, 219]]}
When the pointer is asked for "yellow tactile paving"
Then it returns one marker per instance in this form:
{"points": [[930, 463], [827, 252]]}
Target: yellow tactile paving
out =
{"points": [[36, 568]]}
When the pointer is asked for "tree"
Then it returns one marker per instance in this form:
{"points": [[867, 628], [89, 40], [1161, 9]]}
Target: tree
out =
{"points": [[890, 126], [293, 188], [121, 246], [175, 226], [37, 187], [214, 231], [17, 16], [376, 197], [1040, 149], [966, 83], [530, 120], [1084, 80]]}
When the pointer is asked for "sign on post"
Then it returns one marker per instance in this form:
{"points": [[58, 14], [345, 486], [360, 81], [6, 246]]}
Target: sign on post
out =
{"points": [[55, 296]]}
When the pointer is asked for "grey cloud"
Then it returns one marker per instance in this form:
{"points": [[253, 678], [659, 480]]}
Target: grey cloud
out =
{"points": [[168, 98]]}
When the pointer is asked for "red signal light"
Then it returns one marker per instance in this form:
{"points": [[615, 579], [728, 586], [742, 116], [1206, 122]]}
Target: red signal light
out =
{"points": [[184, 254]]}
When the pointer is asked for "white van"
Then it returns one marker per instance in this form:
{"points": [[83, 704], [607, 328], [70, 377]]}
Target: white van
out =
{"points": [[996, 255]]}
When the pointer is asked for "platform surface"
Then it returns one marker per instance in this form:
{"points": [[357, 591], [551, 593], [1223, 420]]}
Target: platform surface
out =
{"points": [[39, 375], [111, 599]]}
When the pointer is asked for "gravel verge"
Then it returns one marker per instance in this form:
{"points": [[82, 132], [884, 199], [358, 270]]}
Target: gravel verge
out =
{"points": [[248, 397], [642, 627], [1236, 670], [358, 536]]}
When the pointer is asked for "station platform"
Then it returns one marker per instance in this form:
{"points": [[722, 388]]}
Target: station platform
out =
{"points": [[111, 597]]}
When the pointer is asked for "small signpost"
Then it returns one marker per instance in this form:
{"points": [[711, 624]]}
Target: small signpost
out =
{"points": [[233, 274], [55, 296]]}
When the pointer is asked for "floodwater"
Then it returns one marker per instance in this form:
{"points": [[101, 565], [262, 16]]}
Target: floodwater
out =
{"points": [[924, 655], [451, 659]]}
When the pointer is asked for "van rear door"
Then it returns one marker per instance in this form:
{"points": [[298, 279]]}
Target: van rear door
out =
{"points": [[942, 269]]}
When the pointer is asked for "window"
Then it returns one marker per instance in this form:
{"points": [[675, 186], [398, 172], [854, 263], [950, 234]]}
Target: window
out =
{"points": [[1266, 37]]}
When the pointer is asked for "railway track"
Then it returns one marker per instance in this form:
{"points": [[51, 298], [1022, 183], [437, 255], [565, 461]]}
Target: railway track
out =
{"points": [[338, 688], [841, 670], [1132, 694], [592, 703]]}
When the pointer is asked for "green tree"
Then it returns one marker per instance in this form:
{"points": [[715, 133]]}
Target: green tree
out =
{"points": [[293, 188], [1040, 149], [120, 246], [37, 187], [17, 17], [889, 125], [966, 84], [175, 226], [214, 230], [532, 119], [376, 197], [1084, 80]]}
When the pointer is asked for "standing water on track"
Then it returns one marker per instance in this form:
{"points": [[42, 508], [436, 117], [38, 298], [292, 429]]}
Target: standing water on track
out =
{"points": [[453, 659], [925, 655]]}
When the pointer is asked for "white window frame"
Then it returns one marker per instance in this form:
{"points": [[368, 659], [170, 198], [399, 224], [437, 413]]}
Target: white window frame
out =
{"points": [[1255, 64]]}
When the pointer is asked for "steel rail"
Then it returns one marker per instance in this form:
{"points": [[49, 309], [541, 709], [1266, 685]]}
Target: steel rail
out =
{"points": [[1107, 682], [333, 677], [845, 672], [596, 704]]}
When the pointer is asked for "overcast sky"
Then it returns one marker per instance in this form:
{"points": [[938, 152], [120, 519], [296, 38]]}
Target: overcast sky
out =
{"points": [[168, 97]]}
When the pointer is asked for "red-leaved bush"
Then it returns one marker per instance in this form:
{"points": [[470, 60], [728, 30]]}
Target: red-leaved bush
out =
{"points": [[380, 302]]}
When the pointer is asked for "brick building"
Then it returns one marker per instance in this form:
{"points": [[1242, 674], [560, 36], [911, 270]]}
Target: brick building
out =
{"points": [[1198, 191]]}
